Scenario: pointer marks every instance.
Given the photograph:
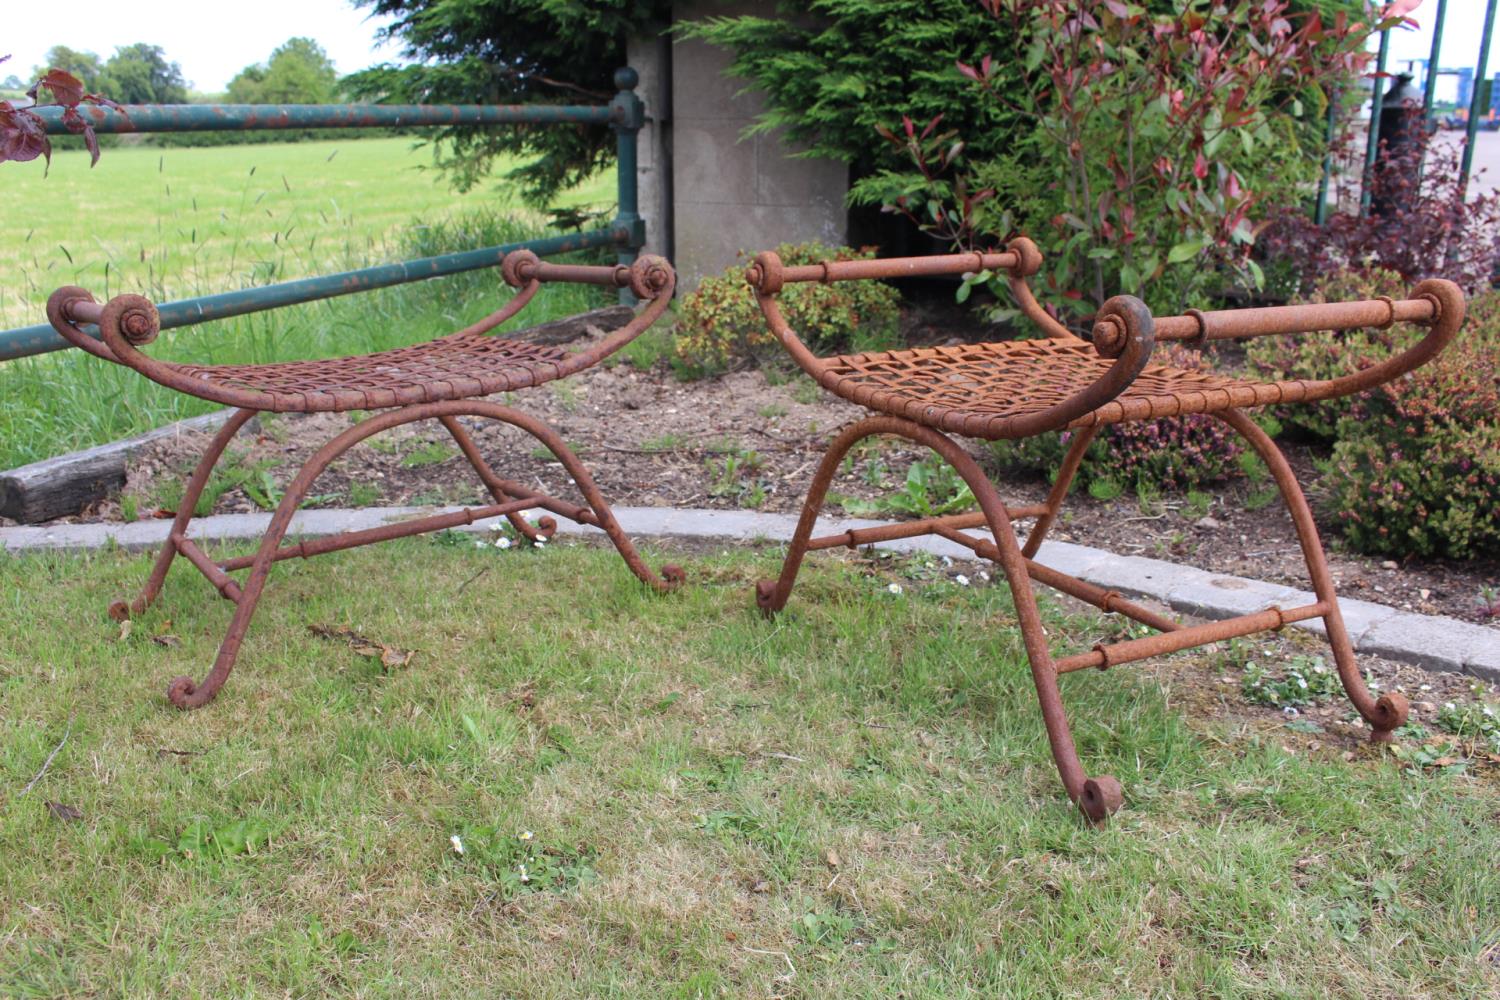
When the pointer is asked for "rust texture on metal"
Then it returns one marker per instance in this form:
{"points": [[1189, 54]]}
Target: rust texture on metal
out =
{"points": [[275, 117], [438, 380], [1021, 388]]}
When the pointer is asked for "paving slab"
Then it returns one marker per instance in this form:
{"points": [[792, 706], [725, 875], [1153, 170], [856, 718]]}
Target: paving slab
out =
{"points": [[1427, 640], [1359, 617], [1485, 663], [1214, 595]]}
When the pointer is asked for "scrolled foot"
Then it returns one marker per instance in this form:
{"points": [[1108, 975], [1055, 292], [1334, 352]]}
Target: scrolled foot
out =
{"points": [[180, 692], [546, 527], [765, 597], [1391, 711], [1101, 798], [119, 610], [674, 575]]}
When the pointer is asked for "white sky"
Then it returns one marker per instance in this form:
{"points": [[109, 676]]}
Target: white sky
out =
{"points": [[211, 39], [215, 39], [1463, 24]]}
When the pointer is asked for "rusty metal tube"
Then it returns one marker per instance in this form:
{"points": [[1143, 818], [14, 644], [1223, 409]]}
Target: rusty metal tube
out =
{"points": [[383, 533], [1114, 654], [226, 586], [855, 537], [1270, 321], [279, 117]]}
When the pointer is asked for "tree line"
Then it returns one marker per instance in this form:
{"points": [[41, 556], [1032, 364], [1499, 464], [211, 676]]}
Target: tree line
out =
{"points": [[298, 72]]}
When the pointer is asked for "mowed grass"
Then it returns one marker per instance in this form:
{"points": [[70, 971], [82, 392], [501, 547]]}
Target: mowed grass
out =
{"points": [[855, 799], [173, 223], [195, 221]]}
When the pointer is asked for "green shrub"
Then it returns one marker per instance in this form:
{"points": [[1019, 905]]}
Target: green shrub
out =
{"points": [[1174, 453], [1416, 462], [1318, 356], [720, 323], [1416, 469]]}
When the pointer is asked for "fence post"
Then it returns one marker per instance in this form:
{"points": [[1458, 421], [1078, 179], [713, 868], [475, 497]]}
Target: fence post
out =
{"points": [[1372, 138], [1479, 101], [630, 115]]}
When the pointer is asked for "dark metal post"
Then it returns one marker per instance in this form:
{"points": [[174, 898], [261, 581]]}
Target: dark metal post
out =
{"points": [[1377, 102], [1478, 103], [1320, 211], [630, 115], [1429, 85]]}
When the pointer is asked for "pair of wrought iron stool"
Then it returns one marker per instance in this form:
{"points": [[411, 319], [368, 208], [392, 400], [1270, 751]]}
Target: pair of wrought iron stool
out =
{"points": [[1004, 390]]}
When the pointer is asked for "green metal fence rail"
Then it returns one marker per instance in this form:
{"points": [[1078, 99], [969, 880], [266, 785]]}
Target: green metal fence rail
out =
{"points": [[626, 114]]}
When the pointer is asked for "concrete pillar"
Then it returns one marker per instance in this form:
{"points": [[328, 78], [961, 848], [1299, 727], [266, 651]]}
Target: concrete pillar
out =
{"points": [[731, 193], [651, 56]]}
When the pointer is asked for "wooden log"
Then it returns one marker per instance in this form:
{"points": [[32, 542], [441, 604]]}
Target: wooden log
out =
{"points": [[571, 328], [58, 487]]}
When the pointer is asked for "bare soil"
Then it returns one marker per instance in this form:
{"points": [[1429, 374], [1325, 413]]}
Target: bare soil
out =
{"points": [[753, 438]]}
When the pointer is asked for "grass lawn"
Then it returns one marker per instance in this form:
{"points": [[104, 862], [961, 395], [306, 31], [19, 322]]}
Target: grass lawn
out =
{"points": [[853, 800], [173, 223], [179, 222]]}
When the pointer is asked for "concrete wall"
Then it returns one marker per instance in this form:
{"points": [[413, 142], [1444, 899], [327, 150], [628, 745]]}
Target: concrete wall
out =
{"points": [[650, 55], [730, 193]]}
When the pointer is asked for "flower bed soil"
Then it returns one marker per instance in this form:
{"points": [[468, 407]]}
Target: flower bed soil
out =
{"points": [[753, 439]]}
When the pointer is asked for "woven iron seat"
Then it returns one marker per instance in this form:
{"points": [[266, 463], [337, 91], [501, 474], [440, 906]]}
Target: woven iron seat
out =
{"points": [[1018, 389], [454, 367], [970, 388], [437, 380]]}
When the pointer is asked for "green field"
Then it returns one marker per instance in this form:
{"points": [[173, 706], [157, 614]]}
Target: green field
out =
{"points": [[173, 223], [671, 797]]}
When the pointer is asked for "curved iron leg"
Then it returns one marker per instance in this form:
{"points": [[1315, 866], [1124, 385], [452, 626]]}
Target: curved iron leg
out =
{"points": [[185, 693], [1389, 711], [671, 576], [1096, 797], [547, 526], [771, 596], [119, 610], [1065, 473]]}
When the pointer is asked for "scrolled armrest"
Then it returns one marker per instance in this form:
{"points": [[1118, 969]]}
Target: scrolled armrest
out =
{"points": [[125, 322], [1124, 333], [650, 277], [1435, 303]]}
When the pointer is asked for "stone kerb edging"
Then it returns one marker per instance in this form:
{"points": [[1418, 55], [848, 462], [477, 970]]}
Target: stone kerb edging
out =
{"points": [[1429, 641]]}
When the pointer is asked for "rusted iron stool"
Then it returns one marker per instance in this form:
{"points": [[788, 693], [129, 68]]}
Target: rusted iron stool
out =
{"points": [[1021, 388], [434, 380]]}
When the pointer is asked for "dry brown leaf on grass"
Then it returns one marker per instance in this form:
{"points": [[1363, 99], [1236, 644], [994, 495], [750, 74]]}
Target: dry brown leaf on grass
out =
{"points": [[66, 813], [389, 656]]}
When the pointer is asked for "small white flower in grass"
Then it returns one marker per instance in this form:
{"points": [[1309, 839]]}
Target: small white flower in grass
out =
{"points": [[502, 542], [458, 845], [522, 869], [961, 580], [527, 835], [894, 588], [1450, 706], [479, 545], [541, 543], [496, 526], [984, 576]]}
